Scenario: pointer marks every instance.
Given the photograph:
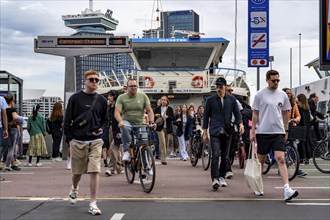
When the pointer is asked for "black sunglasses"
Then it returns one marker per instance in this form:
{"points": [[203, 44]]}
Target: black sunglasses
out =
{"points": [[275, 80], [93, 79], [230, 90]]}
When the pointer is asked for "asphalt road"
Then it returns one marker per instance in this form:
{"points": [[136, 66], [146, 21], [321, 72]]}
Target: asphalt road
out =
{"points": [[181, 192]]}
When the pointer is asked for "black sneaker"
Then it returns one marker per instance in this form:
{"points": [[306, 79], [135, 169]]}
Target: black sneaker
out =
{"points": [[16, 168]]}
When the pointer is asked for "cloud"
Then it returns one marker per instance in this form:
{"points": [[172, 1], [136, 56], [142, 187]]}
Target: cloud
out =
{"points": [[22, 21]]}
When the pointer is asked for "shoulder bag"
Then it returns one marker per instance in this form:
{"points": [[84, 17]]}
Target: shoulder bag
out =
{"points": [[252, 172], [84, 118]]}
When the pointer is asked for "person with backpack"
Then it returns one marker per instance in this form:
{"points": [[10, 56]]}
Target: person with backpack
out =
{"points": [[54, 126]]}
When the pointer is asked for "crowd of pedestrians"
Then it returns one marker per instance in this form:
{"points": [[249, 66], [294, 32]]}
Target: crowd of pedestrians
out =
{"points": [[98, 127]]}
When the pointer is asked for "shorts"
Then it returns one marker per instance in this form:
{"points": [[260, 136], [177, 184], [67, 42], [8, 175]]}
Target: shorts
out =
{"points": [[86, 156], [265, 142]]}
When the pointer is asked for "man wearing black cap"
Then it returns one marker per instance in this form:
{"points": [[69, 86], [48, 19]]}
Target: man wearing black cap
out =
{"points": [[217, 118]]}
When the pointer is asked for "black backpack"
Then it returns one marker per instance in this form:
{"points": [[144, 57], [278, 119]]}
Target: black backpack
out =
{"points": [[49, 127]]}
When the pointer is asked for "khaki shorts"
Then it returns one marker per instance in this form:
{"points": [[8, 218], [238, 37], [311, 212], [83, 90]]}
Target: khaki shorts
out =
{"points": [[86, 157]]}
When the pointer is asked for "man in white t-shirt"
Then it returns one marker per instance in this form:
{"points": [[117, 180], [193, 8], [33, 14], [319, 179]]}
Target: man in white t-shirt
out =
{"points": [[270, 118]]}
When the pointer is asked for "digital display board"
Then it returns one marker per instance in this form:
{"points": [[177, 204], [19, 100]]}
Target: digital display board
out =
{"points": [[82, 41], [324, 35]]}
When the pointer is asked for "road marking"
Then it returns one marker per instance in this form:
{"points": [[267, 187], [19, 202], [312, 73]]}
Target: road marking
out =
{"points": [[308, 203], [305, 187], [117, 216], [18, 173], [305, 177], [161, 199]]}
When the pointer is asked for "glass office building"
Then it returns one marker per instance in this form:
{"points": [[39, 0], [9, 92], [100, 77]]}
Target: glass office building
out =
{"points": [[187, 20]]}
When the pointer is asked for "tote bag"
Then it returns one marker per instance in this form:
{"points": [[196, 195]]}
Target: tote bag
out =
{"points": [[252, 172]]}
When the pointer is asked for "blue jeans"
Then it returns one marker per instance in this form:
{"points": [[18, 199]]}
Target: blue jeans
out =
{"points": [[219, 144], [10, 144], [126, 134]]}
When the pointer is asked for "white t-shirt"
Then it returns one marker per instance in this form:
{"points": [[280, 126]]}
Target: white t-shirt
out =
{"points": [[270, 104], [3, 106]]}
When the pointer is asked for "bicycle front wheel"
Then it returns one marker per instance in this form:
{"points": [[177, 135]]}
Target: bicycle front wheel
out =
{"points": [[206, 156], [147, 169], [194, 153], [321, 156], [130, 171], [291, 157], [267, 164]]}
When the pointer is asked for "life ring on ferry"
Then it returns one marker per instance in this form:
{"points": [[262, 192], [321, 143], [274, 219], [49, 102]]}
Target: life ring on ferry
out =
{"points": [[197, 82], [148, 82]]}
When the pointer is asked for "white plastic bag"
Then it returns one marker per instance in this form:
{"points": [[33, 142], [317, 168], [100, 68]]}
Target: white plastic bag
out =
{"points": [[252, 172]]}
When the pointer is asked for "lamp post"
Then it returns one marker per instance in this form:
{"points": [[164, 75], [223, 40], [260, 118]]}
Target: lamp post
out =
{"points": [[271, 59], [299, 59]]}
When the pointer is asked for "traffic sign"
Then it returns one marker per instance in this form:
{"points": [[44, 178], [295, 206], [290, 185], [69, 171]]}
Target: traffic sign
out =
{"points": [[258, 33]]}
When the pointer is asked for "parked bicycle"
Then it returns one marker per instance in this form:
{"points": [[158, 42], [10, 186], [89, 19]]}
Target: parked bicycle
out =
{"points": [[321, 152], [142, 160], [200, 150], [291, 154]]}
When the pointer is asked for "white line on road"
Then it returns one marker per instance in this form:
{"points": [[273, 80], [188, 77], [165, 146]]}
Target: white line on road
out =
{"points": [[305, 177], [18, 173], [305, 187], [117, 216], [309, 203]]}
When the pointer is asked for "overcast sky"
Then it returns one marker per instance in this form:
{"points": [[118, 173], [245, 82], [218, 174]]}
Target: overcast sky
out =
{"points": [[22, 21]]}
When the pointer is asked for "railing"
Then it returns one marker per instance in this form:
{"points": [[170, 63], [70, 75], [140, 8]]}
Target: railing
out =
{"points": [[173, 79]]}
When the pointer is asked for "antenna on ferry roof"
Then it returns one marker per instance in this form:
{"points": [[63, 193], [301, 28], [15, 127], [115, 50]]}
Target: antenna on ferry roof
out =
{"points": [[158, 11], [91, 5]]}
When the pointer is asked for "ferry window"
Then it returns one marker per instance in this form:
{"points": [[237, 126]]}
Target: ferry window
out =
{"points": [[322, 107]]}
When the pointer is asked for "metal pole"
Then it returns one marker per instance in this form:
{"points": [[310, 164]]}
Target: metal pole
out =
{"points": [[299, 59], [290, 67], [258, 78]]}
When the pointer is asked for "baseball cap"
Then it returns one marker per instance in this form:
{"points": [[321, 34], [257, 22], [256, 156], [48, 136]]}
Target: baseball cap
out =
{"points": [[221, 81]]}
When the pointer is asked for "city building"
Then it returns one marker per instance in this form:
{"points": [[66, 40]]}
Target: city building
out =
{"points": [[185, 20], [32, 97], [94, 23]]}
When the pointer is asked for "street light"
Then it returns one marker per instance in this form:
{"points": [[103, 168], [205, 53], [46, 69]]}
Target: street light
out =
{"points": [[299, 59], [271, 59]]}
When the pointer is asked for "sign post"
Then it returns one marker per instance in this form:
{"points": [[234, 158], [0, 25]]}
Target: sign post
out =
{"points": [[258, 35]]}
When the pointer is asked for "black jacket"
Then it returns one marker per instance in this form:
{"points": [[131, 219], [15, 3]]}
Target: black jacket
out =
{"points": [[169, 120], [188, 132], [79, 103]]}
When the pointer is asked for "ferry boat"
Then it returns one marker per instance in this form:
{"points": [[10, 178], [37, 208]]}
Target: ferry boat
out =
{"points": [[183, 69]]}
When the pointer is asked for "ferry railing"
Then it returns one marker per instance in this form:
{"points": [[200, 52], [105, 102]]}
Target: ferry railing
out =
{"points": [[180, 79]]}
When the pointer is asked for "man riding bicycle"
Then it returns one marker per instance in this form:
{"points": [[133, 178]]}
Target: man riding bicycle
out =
{"points": [[130, 109]]}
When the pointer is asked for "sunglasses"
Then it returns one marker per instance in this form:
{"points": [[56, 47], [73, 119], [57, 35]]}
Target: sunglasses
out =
{"points": [[230, 90], [93, 79], [132, 86], [275, 80]]}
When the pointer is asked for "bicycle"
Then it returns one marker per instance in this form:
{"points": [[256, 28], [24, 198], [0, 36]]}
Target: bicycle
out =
{"points": [[240, 152], [321, 153], [142, 160], [291, 155], [200, 150]]}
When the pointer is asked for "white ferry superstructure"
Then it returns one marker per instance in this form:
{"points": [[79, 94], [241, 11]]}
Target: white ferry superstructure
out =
{"points": [[183, 69]]}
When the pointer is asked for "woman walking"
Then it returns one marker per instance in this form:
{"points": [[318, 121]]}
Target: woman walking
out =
{"points": [[56, 123], [36, 127]]}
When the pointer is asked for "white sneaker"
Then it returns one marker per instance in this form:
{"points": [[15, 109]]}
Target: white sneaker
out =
{"points": [[258, 193], [108, 173], [73, 195], [215, 184], [93, 209], [229, 175], [38, 165], [222, 182], [126, 156], [289, 194]]}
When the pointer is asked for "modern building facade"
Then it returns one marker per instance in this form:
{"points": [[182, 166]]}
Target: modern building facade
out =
{"points": [[94, 23], [186, 20]]}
